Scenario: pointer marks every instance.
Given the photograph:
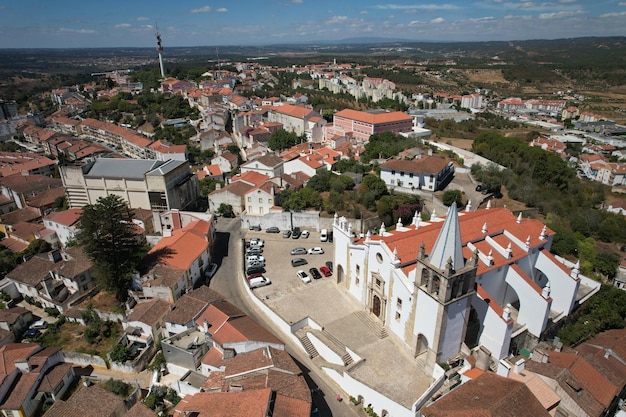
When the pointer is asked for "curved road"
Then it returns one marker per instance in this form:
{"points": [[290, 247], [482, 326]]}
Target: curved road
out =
{"points": [[226, 281]]}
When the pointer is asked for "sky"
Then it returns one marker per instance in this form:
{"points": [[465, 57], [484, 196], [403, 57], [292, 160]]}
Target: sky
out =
{"points": [[132, 23]]}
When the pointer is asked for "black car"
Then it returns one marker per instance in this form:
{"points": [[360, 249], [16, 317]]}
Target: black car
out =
{"points": [[329, 265], [31, 333], [255, 227], [255, 270], [295, 234], [315, 273], [272, 229]]}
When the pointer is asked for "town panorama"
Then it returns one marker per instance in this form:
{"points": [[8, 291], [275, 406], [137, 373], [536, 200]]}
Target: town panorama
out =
{"points": [[335, 229]]}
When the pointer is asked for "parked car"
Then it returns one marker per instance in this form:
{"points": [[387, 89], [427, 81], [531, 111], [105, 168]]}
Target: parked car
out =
{"points": [[255, 241], [255, 275], [325, 271], [286, 234], [315, 273], [255, 227], [305, 234], [272, 229], [253, 264], [295, 234], [31, 333], [324, 235], [298, 251], [211, 270], [316, 251], [303, 276], [255, 270], [298, 262], [252, 258], [259, 282], [329, 265], [39, 325], [254, 250]]}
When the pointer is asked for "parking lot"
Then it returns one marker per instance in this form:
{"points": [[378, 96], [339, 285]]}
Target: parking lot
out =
{"points": [[278, 268]]}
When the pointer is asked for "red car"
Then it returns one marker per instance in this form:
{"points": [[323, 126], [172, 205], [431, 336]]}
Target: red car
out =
{"points": [[255, 275], [325, 271]]}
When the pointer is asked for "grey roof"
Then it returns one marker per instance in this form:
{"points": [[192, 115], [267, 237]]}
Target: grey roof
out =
{"points": [[166, 167], [122, 168], [448, 244]]}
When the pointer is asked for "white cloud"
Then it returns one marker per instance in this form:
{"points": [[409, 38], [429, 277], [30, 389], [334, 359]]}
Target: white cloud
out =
{"points": [[297, 1], [203, 9], [438, 20], [560, 15], [122, 26], [221, 10], [84, 31], [614, 14], [622, 3], [416, 7], [567, 1], [337, 19], [142, 18], [363, 12]]}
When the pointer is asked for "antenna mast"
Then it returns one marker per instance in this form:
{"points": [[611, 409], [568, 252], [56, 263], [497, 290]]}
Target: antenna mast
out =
{"points": [[219, 64], [159, 48]]}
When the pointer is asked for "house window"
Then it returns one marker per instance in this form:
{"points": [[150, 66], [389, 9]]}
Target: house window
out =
{"points": [[357, 281], [402, 173], [269, 201], [393, 172], [249, 199], [411, 175], [393, 182], [261, 200], [397, 316]]}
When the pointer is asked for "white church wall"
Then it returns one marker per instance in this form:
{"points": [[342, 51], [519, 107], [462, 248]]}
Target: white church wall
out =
{"points": [[453, 328], [495, 333], [534, 309], [425, 316], [563, 287]]}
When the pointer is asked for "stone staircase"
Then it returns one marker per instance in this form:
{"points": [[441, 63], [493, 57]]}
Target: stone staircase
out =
{"points": [[375, 326], [306, 342]]}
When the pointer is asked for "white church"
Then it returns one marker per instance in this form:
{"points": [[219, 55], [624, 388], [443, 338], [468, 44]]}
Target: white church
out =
{"points": [[473, 278]]}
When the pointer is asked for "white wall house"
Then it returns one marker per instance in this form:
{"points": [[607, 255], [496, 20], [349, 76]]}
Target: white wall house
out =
{"points": [[431, 173], [269, 165], [64, 223], [260, 200]]}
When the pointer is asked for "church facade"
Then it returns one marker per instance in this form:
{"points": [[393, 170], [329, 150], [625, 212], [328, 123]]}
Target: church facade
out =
{"points": [[473, 278]]}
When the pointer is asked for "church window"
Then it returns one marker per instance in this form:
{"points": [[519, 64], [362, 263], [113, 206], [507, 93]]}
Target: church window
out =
{"points": [[425, 278], [397, 316], [358, 270], [436, 283], [378, 282], [379, 258], [399, 303]]}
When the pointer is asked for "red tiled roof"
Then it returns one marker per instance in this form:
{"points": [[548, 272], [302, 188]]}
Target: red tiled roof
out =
{"points": [[253, 403], [373, 118], [67, 217], [184, 246]]}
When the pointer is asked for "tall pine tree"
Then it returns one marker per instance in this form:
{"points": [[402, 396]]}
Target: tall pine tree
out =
{"points": [[107, 235]]}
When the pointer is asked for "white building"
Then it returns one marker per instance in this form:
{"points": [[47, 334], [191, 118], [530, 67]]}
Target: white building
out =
{"points": [[64, 223], [269, 165], [260, 200], [483, 278], [431, 173]]}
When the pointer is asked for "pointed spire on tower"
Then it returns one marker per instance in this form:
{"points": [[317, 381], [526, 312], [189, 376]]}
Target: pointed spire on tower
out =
{"points": [[528, 241], [488, 204], [448, 243], [519, 218], [484, 228], [542, 235]]}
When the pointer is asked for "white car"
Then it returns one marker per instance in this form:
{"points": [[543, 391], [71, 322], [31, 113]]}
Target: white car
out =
{"points": [[39, 325], [255, 241], [211, 270], [251, 258], [303, 276], [259, 282], [324, 235], [316, 251], [305, 234]]}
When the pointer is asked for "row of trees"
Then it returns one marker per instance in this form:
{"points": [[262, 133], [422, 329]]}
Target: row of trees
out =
{"points": [[543, 180]]}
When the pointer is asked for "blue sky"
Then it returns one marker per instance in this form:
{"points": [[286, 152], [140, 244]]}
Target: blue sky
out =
{"points": [[131, 23]]}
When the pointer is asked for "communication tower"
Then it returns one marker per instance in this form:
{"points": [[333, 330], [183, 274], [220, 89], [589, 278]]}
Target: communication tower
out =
{"points": [[159, 48]]}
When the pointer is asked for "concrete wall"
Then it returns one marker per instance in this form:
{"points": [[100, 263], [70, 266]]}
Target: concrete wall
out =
{"points": [[84, 359]]}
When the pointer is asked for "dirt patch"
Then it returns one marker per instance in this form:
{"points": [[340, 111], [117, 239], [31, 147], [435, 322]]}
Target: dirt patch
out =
{"points": [[486, 76], [103, 301], [70, 338]]}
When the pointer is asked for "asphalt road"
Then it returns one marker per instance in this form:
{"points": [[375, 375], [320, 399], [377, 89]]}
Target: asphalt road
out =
{"points": [[227, 282]]}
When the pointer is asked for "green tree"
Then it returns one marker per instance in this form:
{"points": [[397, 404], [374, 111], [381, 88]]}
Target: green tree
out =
{"points": [[108, 238], [61, 203], [281, 139], [226, 210], [119, 353], [37, 246], [452, 196]]}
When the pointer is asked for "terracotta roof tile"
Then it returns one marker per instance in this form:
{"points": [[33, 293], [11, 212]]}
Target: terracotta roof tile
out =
{"points": [[373, 118], [428, 165], [149, 312], [66, 217], [81, 404], [254, 403]]}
